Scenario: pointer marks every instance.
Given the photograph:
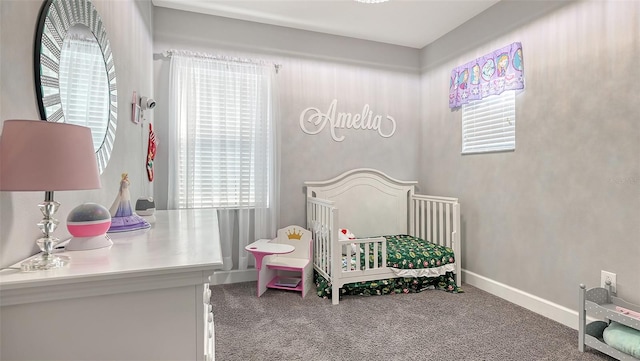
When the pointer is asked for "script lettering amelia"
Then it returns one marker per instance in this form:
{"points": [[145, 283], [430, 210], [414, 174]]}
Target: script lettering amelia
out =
{"points": [[313, 121]]}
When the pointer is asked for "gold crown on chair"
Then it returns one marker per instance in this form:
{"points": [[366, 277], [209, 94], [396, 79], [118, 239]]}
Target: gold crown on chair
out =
{"points": [[294, 235]]}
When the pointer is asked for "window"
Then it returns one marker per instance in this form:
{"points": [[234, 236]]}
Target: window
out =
{"points": [[489, 125], [223, 128]]}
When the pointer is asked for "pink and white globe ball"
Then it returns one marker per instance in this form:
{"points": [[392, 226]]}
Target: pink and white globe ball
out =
{"points": [[88, 220]]}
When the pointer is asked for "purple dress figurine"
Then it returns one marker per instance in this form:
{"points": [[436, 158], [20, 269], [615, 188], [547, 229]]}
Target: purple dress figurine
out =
{"points": [[122, 217]]}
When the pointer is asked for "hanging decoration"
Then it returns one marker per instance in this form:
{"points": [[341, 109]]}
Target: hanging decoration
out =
{"points": [[487, 75], [151, 152]]}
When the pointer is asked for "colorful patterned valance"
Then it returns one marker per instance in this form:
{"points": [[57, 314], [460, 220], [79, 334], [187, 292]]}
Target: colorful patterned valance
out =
{"points": [[491, 74]]}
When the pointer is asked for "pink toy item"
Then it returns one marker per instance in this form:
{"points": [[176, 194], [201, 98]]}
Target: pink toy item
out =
{"points": [[88, 224], [628, 312]]}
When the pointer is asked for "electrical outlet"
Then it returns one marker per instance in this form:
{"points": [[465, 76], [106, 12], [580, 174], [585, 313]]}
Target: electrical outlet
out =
{"points": [[608, 276]]}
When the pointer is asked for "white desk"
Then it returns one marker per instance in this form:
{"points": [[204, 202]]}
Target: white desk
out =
{"points": [[144, 298]]}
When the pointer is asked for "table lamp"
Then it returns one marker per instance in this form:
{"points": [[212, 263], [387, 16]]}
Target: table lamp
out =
{"points": [[37, 155]]}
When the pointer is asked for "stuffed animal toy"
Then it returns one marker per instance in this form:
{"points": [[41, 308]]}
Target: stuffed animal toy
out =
{"points": [[344, 235]]}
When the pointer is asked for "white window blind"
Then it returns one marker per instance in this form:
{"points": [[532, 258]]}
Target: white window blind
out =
{"points": [[224, 133], [489, 125], [84, 92]]}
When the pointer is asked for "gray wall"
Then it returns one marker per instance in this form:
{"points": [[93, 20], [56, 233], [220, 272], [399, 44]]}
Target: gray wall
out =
{"points": [[316, 68], [566, 203], [128, 25]]}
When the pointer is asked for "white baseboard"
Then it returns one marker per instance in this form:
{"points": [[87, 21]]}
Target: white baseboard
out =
{"points": [[531, 302], [234, 276]]}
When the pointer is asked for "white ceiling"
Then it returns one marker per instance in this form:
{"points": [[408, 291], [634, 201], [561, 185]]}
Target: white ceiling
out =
{"points": [[412, 23]]}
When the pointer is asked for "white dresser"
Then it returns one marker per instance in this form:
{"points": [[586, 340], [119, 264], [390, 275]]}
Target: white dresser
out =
{"points": [[144, 298]]}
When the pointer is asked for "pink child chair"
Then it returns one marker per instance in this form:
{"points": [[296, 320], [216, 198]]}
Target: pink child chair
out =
{"points": [[282, 271]]}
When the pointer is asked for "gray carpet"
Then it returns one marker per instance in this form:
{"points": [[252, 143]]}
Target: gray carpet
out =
{"points": [[432, 325]]}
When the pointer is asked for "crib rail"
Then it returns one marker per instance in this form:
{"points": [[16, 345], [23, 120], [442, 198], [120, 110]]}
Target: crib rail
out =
{"points": [[366, 253], [321, 215], [437, 220]]}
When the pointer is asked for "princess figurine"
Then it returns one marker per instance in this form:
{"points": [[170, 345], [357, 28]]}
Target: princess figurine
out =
{"points": [[122, 217]]}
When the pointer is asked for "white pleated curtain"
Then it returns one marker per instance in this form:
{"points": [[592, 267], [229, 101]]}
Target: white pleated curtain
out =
{"points": [[223, 147]]}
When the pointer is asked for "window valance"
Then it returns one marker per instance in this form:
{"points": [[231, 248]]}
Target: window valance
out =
{"points": [[487, 75]]}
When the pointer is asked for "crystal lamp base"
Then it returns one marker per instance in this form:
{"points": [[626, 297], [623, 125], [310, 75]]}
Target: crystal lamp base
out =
{"points": [[44, 262]]}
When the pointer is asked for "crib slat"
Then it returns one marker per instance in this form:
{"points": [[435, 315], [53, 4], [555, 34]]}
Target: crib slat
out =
{"points": [[416, 218], [321, 221], [323, 256], [429, 228], [447, 219], [423, 226], [440, 219], [416, 224], [331, 233], [318, 249], [434, 222], [325, 240]]}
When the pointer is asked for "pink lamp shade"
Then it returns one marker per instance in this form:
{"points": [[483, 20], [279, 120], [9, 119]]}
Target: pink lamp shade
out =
{"points": [[37, 155]]}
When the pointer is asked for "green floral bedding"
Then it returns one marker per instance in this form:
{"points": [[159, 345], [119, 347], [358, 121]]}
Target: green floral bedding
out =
{"points": [[403, 252], [388, 286], [409, 252]]}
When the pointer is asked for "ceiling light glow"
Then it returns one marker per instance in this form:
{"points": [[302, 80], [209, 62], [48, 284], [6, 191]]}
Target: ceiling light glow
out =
{"points": [[371, 1]]}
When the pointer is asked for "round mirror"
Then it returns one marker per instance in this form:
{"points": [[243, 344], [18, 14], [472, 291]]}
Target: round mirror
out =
{"points": [[74, 71]]}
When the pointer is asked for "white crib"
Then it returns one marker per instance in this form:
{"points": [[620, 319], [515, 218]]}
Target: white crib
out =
{"points": [[370, 203]]}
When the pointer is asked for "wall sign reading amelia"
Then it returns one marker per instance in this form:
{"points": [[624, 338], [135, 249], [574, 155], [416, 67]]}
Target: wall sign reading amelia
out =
{"points": [[313, 121]]}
